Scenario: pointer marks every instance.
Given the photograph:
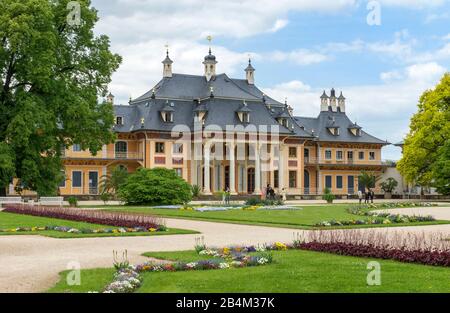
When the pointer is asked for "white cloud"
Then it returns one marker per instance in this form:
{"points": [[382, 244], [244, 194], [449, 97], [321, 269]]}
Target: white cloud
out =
{"points": [[279, 24], [299, 56], [389, 104], [413, 4]]}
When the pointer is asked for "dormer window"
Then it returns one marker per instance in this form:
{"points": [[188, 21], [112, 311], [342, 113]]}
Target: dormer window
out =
{"points": [[334, 131], [167, 112], [355, 130], [119, 120], [244, 113]]}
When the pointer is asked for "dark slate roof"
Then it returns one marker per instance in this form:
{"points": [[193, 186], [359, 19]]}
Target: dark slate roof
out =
{"points": [[400, 144], [335, 119], [190, 87]]}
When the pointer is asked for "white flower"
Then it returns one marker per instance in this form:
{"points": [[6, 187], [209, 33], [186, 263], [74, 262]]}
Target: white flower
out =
{"points": [[191, 265], [224, 265], [263, 260]]}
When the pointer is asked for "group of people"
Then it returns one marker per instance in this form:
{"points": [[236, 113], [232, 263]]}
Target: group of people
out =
{"points": [[367, 195], [271, 195]]}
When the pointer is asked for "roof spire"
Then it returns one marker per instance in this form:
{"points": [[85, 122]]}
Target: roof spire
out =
{"points": [[210, 62], [250, 72], [167, 64]]}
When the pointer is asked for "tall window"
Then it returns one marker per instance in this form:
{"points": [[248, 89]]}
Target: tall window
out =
{"points": [[245, 117], [339, 182], [119, 120], [168, 117], [350, 155], [62, 184], [177, 148], [76, 147], [76, 179], [361, 155], [275, 179], [292, 152], [372, 155], [159, 147], [339, 155], [328, 183], [328, 154], [121, 148], [179, 172], [292, 179]]}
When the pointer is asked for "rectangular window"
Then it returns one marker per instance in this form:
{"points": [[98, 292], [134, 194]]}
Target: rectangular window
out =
{"points": [[119, 120], [292, 152], [328, 181], [275, 179], [328, 154], [76, 147], [159, 147], [245, 118], [177, 148], [62, 184], [179, 172], [292, 179], [339, 155], [76, 179], [371, 155], [339, 182], [361, 155], [350, 155]]}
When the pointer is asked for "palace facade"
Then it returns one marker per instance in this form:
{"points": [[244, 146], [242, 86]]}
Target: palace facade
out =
{"points": [[177, 125]]}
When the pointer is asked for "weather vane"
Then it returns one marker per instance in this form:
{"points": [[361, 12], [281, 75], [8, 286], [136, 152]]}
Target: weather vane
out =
{"points": [[209, 38]]}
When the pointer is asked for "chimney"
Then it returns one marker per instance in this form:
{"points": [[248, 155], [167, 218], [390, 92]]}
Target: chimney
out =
{"points": [[110, 98], [333, 105], [324, 102], [341, 103]]}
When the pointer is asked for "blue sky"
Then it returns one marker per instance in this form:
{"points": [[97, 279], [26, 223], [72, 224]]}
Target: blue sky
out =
{"points": [[298, 47]]}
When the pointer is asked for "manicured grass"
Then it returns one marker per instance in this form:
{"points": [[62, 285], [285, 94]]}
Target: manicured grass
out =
{"points": [[10, 221], [292, 271], [304, 219]]}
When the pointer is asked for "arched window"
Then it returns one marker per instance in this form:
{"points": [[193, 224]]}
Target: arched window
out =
{"points": [[121, 149]]}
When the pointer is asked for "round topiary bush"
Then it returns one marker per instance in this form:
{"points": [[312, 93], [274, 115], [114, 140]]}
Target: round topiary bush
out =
{"points": [[158, 186]]}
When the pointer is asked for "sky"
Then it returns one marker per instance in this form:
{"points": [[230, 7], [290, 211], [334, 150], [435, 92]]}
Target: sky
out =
{"points": [[381, 54]]}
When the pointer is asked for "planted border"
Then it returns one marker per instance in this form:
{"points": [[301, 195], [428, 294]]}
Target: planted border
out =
{"points": [[117, 219]]}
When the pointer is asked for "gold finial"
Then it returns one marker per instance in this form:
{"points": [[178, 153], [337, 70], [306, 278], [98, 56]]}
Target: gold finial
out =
{"points": [[209, 38]]}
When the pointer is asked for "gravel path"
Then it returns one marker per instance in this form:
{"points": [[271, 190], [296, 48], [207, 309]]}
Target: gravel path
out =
{"points": [[32, 263]]}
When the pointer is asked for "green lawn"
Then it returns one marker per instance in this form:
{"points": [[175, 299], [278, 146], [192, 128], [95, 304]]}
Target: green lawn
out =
{"points": [[304, 219], [10, 220], [292, 271]]}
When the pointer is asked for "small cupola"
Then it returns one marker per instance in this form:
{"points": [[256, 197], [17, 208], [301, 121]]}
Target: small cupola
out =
{"points": [[250, 73], [341, 103], [167, 112], [110, 98], [324, 102], [167, 65], [332, 106], [244, 113], [210, 63]]}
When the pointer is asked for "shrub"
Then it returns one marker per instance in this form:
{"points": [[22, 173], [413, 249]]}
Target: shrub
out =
{"points": [[73, 202], [89, 216], [157, 186], [110, 183], [389, 185], [328, 196], [253, 201], [196, 191], [105, 197], [258, 201]]}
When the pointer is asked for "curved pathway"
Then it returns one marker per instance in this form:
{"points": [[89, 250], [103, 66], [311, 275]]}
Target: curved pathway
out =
{"points": [[32, 263]]}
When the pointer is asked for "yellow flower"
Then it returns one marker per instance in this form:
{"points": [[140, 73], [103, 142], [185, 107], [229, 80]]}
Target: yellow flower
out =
{"points": [[226, 251], [152, 230], [280, 246]]}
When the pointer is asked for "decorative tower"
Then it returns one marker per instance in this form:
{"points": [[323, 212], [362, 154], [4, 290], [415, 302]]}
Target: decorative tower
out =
{"points": [[250, 73], [341, 103], [210, 63], [110, 98], [332, 105], [324, 102], [167, 64]]}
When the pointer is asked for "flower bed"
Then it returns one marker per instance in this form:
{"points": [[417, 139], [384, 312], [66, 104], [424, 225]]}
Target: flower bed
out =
{"points": [[392, 205], [90, 216], [376, 218], [72, 230], [127, 278]]}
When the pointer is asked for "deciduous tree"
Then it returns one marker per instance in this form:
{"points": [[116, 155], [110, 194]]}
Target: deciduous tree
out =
{"points": [[52, 73]]}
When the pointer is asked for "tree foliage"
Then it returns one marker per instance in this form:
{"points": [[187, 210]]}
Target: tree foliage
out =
{"points": [[158, 186], [51, 76], [426, 148], [368, 180], [110, 183], [389, 184]]}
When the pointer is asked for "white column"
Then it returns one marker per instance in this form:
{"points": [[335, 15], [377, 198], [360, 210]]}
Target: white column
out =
{"points": [[206, 158], [320, 191], [232, 170], [280, 168], [257, 171]]}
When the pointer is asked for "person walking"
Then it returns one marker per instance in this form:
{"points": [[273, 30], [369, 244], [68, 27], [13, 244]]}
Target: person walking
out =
{"points": [[283, 194], [360, 196], [366, 197], [372, 195], [227, 196]]}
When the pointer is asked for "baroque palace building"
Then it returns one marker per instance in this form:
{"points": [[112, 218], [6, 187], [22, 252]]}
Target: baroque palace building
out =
{"points": [[177, 125]]}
